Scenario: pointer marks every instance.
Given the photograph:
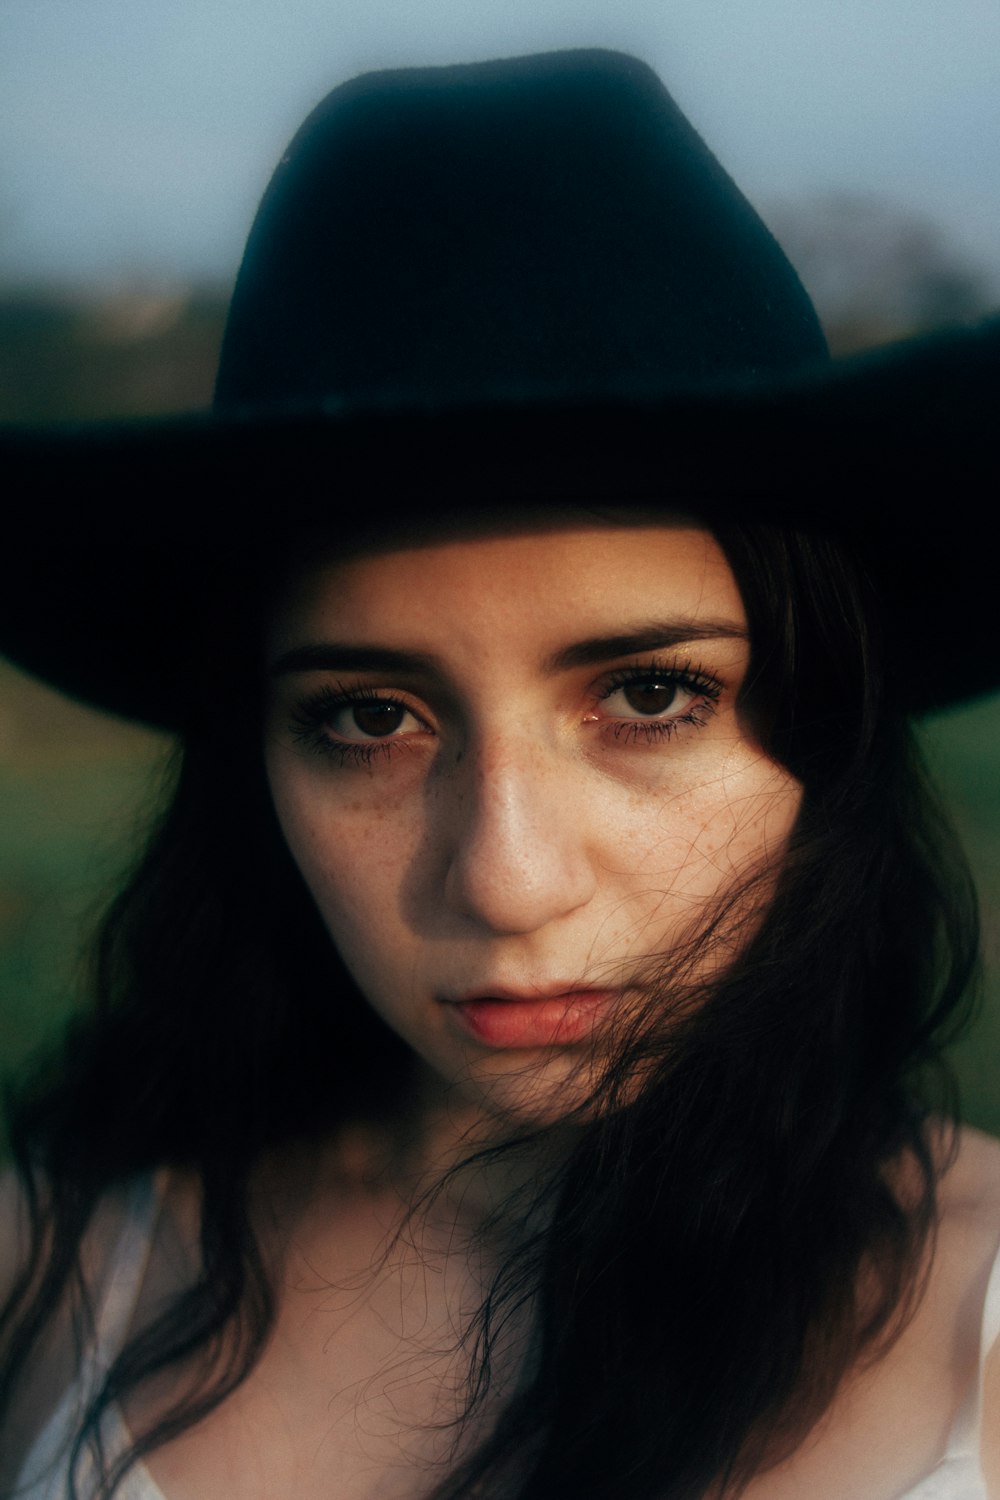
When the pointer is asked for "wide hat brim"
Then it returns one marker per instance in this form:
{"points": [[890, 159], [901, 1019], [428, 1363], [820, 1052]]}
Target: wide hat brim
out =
{"points": [[116, 533]]}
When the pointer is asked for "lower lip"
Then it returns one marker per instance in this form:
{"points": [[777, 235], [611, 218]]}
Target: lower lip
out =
{"points": [[555, 1022]]}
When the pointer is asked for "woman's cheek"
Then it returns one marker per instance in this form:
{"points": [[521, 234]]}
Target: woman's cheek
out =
{"points": [[719, 827], [747, 826], [345, 847], [353, 864]]}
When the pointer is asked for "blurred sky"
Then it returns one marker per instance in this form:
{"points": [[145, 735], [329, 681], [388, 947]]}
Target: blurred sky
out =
{"points": [[137, 135]]}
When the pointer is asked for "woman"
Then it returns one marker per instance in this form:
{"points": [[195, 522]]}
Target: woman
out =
{"points": [[513, 1062]]}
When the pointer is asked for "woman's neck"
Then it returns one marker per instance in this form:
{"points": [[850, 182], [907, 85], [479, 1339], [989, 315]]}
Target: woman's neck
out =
{"points": [[438, 1163]]}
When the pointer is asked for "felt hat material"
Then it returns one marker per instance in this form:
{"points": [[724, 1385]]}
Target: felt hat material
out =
{"points": [[543, 221], [526, 282]]}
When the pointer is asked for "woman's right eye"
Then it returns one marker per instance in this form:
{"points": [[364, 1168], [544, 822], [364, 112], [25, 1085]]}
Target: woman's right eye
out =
{"points": [[372, 719], [353, 723]]}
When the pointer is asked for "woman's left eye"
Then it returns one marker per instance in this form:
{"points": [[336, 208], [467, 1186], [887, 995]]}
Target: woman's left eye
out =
{"points": [[367, 719], [652, 703], [354, 724], [649, 698]]}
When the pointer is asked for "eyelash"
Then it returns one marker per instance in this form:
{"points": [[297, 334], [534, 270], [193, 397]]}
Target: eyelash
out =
{"points": [[687, 677], [311, 716]]}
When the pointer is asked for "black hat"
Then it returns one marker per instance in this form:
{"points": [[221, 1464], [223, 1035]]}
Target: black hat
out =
{"points": [[527, 279], [551, 221]]}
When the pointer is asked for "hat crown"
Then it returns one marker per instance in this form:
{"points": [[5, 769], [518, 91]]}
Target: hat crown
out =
{"points": [[542, 222]]}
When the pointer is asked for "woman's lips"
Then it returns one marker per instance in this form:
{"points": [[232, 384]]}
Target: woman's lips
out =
{"points": [[532, 1020]]}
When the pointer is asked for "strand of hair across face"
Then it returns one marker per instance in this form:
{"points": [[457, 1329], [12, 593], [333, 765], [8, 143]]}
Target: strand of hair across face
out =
{"points": [[694, 1289]]}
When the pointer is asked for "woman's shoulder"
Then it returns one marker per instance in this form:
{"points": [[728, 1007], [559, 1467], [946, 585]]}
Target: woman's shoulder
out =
{"points": [[967, 1241], [117, 1237], [969, 1233], [970, 1183], [132, 1203], [975, 1169], [39, 1386]]}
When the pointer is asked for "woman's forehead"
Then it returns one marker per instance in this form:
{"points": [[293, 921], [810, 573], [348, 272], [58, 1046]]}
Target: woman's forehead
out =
{"points": [[380, 532], [566, 576]]}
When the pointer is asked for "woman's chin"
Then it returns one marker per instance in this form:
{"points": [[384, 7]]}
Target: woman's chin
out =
{"points": [[508, 1093]]}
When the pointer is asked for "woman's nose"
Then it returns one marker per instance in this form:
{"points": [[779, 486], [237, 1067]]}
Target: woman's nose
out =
{"points": [[518, 856]]}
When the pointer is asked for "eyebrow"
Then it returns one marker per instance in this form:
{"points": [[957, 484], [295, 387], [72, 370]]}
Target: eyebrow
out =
{"points": [[333, 657], [656, 635], [652, 637]]}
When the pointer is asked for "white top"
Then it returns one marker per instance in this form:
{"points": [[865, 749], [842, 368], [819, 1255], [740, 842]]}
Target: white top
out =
{"points": [[45, 1472], [44, 1476]]}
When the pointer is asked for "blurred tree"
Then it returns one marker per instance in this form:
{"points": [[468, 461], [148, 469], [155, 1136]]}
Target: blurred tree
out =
{"points": [[132, 354], [877, 271]]}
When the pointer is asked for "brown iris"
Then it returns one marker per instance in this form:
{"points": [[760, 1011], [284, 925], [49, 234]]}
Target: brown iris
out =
{"points": [[650, 697], [378, 719]]}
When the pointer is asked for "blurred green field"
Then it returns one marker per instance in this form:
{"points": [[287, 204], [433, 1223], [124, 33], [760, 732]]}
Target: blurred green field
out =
{"points": [[76, 789]]}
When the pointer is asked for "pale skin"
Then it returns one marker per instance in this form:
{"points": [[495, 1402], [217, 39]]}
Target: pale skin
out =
{"points": [[540, 783], [523, 824]]}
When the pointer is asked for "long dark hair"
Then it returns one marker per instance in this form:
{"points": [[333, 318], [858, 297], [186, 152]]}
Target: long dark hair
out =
{"points": [[697, 1285]]}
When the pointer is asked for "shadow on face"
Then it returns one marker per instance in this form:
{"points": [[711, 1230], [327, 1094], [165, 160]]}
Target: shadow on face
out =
{"points": [[511, 767]]}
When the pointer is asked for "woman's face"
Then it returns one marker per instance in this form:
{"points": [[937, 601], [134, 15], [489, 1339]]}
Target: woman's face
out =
{"points": [[512, 772]]}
